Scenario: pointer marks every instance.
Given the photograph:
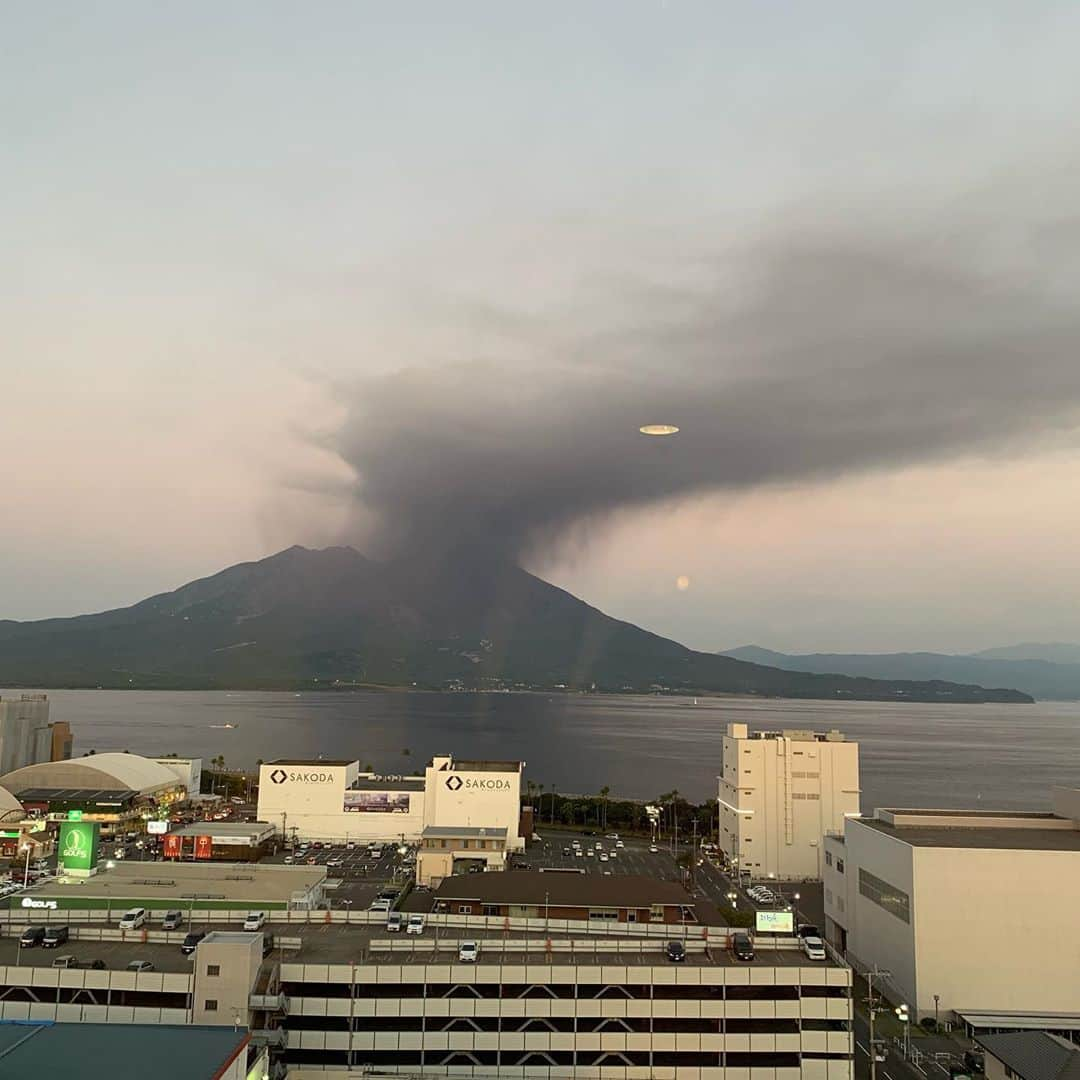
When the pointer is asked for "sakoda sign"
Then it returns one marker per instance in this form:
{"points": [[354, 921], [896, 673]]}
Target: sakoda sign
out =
{"points": [[456, 783], [280, 776]]}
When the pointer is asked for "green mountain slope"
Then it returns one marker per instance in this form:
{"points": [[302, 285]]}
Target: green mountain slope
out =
{"points": [[333, 617]]}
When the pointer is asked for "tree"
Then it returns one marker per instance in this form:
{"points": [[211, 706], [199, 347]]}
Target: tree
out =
{"points": [[604, 793]]}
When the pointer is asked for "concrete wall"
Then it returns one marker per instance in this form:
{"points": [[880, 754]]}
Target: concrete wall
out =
{"points": [[474, 799], [236, 958], [779, 796], [187, 770], [996, 930]]}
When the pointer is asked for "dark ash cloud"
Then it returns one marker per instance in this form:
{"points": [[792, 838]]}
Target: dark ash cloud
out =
{"points": [[807, 357]]}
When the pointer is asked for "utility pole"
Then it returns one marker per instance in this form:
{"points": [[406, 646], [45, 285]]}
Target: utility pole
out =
{"points": [[870, 977]]}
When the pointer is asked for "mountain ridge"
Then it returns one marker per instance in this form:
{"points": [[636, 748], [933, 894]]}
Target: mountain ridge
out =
{"points": [[1041, 679], [335, 618]]}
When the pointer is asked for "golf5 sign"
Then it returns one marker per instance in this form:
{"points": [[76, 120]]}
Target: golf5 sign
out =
{"points": [[79, 846]]}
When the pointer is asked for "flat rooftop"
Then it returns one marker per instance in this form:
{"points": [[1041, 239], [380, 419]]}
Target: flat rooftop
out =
{"points": [[978, 836], [484, 766], [224, 828], [534, 887], [178, 880], [118, 1051], [98, 796], [397, 783], [312, 761], [469, 832]]}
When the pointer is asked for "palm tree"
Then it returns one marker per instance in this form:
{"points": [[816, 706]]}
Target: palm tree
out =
{"points": [[604, 793]]}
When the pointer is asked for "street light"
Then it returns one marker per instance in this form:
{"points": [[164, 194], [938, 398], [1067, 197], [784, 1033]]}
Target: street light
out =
{"points": [[870, 976], [26, 874], [902, 1015]]}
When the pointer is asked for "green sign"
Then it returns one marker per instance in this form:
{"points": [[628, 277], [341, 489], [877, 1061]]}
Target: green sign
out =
{"points": [[74, 815], [10, 834], [79, 845]]}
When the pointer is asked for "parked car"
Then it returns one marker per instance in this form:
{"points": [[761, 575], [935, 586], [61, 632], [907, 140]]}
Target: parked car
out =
{"points": [[255, 920], [92, 965], [579, 853], [191, 941], [268, 944], [612, 836], [603, 856], [140, 965], [394, 921], [676, 951], [566, 851], [66, 961], [468, 951], [288, 860], [619, 843], [31, 936], [54, 936], [172, 920], [335, 863], [814, 948], [653, 849], [133, 919], [416, 924], [742, 947], [379, 904]]}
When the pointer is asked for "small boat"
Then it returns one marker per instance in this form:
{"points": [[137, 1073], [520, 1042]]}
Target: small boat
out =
{"points": [[228, 727]]}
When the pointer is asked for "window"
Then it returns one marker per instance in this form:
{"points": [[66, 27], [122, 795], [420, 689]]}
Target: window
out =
{"points": [[491, 909], [213, 969], [839, 866], [893, 900], [464, 909], [656, 913], [211, 1005], [828, 858]]}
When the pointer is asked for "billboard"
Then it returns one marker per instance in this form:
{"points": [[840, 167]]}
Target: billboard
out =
{"points": [[172, 845], [204, 847], [79, 847], [376, 802], [157, 828], [774, 922]]}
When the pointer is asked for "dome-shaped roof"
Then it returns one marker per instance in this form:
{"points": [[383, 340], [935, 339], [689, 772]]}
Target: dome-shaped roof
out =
{"points": [[104, 771], [8, 802]]}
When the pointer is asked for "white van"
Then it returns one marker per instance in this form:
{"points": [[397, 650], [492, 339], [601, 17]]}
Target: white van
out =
{"points": [[376, 852], [255, 920], [133, 919], [416, 924]]}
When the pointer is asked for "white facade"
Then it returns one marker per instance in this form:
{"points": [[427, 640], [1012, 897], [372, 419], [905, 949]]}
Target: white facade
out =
{"points": [[318, 800], [25, 737], [188, 770], [973, 907], [780, 792]]}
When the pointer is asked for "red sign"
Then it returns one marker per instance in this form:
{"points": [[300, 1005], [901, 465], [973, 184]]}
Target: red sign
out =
{"points": [[172, 846], [203, 847]]}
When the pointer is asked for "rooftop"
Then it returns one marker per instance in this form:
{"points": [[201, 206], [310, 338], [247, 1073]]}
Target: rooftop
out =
{"points": [[534, 887], [224, 828], [1034, 1055], [97, 796], [388, 783], [312, 761], [978, 836], [477, 765], [164, 881], [118, 1051], [452, 832], [235, 937]]}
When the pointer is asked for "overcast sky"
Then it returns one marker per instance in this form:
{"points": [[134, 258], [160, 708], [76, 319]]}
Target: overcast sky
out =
{"points": [[416, 272]]}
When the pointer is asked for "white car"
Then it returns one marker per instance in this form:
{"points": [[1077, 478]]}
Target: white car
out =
{"points": [[379, 905], [814, 948], [603, 857], [598, 845], [416, 924], [255, 920], [611, 836], [468, 951], [133, 919], [579, 853], [289, 860], [619, 843], [653, 849]]}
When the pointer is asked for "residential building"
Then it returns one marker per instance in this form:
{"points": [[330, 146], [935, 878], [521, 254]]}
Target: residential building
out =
{"points": [[944, 900], [780, 792]]}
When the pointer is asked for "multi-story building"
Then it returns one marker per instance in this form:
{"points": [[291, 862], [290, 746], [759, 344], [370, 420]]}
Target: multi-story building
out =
{"points": [[967, 910], [188, 771], [780, 792], [333, 800], [25, 734]]}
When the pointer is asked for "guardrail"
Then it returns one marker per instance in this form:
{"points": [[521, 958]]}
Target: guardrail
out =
{"points": [[428, 944]]}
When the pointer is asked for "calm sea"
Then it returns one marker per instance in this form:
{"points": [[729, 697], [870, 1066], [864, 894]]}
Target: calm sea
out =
{"points": [[925, 755]]}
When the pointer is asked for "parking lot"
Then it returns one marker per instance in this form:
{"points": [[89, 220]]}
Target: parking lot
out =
{"points": [[116, 955]]}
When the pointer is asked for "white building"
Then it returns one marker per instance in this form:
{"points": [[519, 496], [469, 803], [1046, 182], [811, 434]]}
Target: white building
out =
{"points": [[780, 793], [188, 770], [969, 911], [25, 735], [332, 800]]}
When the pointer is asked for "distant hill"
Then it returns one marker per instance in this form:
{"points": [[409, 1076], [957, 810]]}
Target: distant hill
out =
{"points": [[335, 618], [1052, 652], [1039, 678]]}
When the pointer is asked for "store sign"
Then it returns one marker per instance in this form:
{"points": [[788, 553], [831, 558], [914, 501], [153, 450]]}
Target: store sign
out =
{"points": [[10, 834], [204, 847], [157, 828], [172, 846], [74, 815], [302, 776], [775, 922], [79, 844], [455, 783], [44, 905]]}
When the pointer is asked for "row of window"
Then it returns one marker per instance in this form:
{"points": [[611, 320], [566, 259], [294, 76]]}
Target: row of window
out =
{"points": [[839, 862], [895, 901]]}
